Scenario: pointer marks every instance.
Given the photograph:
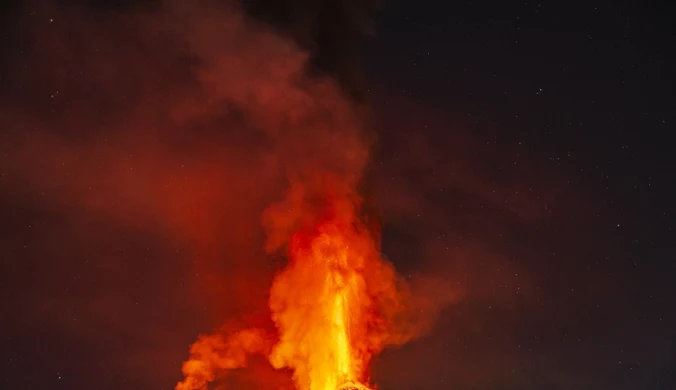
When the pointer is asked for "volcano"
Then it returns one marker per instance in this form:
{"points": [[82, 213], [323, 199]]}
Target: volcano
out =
{"points": [[333, 305], [338, 301]]}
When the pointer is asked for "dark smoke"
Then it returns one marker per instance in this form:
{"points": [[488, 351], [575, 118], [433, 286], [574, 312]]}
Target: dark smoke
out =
{"points": [[333, 31], [330, 30]]}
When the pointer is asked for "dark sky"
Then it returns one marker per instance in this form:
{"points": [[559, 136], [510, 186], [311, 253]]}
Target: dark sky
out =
{"points": [[567, 178], [524, 153]]}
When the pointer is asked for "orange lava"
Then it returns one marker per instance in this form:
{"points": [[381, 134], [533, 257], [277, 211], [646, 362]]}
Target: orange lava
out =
{"points": [[322, 308], [329, 305]]}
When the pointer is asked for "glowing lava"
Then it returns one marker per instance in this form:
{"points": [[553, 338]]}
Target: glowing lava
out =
{"points": [[322, 307], [329, 304]]}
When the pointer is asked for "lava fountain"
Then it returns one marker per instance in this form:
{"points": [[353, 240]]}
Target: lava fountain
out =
{"points": [[332, 305], [325, 306]]}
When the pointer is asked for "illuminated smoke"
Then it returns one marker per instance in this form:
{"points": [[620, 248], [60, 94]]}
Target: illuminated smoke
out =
{"points": [[337, 302], [202, 126]]}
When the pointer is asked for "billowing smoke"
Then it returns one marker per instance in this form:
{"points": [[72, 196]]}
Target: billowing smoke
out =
{"points": [[197, 130]]}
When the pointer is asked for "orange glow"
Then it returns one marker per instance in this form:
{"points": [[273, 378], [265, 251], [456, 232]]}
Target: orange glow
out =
{"points": [[328, 306], [322, 308], [212, 354]]}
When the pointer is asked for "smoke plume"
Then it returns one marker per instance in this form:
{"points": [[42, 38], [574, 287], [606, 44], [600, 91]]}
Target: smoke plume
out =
{"points": [[203, 139]]}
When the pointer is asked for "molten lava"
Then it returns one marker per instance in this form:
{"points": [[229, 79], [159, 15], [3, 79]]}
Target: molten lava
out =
{"points": [[330, 304], [322, 307]]}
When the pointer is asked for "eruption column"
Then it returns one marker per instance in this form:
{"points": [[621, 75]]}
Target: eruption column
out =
{"points": [[328, 306], [320, 304], [337, 302]]}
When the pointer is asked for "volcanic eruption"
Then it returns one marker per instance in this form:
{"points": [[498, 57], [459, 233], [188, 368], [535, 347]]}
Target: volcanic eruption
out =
{"points": [[338, 301], [218, 107], [331, 305]]}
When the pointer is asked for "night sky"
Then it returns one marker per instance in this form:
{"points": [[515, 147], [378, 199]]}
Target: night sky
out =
{"points": [[523, 154]]}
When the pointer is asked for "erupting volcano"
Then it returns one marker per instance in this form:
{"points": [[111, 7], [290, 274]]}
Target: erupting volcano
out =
{"points": [[333, 306], [322, 305], [337, 301]]}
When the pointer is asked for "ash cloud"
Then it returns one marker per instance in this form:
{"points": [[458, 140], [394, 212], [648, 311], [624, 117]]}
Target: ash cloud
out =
{"points": [[140, 150]]}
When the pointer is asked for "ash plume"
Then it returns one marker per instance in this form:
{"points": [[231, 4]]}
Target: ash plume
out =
{"points": [[191, 129]]}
